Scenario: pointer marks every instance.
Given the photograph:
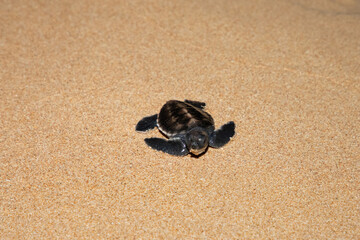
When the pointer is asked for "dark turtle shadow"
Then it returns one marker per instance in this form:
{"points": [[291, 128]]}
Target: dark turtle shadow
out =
{"points": [[163, 134]]}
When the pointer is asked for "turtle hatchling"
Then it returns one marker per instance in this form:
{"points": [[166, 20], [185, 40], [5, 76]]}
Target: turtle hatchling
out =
{"points": [[189, 128]]}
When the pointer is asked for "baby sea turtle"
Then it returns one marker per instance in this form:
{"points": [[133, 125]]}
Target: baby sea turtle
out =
{"points": [[188, 127]]}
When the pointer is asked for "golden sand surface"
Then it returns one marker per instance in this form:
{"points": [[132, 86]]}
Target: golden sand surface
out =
{"points": [[76, 77]]}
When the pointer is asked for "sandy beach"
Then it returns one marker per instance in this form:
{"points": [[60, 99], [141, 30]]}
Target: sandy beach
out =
{"points": [[77, 76]]}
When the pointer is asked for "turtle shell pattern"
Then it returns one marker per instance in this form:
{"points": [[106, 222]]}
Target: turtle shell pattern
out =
{"points": [[178, 117]]}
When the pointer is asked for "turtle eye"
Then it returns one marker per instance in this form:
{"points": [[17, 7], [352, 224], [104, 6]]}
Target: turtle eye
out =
{"points": [[199, 141]]}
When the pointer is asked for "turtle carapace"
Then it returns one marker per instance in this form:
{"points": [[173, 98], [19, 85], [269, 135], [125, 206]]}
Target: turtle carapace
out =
{"points": [[188, 127]]}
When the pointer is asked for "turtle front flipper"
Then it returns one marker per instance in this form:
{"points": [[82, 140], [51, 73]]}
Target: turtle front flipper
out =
{"points": [[197, 104], [147, 123], [174, 147], [223, 135]]}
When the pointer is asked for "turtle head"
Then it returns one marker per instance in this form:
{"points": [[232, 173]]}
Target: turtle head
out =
{"points": [[197, 140]]}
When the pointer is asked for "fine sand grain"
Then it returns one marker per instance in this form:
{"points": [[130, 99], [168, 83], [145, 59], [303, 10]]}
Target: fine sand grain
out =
{"points": [[76, 77]]}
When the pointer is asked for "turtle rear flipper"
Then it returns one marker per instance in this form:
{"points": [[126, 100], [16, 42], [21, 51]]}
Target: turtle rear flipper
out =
{"points": [[223, 135], [174, 147], [147, 123], [197, 104]]}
